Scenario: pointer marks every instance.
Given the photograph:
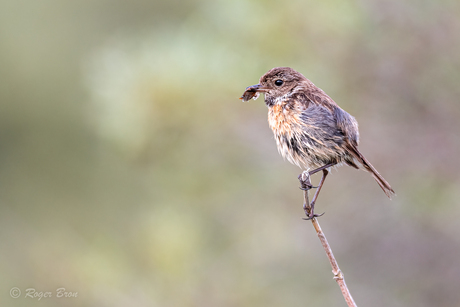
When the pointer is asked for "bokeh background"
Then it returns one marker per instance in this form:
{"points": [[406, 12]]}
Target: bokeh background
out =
{"points": [[131, 174]]}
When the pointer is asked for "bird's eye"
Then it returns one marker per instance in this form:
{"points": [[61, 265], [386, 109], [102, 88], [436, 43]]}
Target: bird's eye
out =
{"points": [[279, 82]]}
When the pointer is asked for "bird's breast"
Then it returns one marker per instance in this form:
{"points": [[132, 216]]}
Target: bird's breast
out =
{"points": [[282, 119], [285, 122]]}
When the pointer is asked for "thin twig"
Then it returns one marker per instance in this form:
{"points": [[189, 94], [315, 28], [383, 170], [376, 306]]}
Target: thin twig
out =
{"points": [[338, 275]]}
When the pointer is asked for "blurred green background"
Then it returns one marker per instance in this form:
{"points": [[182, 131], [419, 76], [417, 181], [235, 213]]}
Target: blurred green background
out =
{"points": [[131, 173]]}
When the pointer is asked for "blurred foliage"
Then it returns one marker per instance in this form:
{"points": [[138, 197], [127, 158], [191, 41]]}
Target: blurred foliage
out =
{"points": [[131, 173]]}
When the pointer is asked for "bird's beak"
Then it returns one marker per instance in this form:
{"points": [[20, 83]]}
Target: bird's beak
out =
{"points": [[257, 88]]}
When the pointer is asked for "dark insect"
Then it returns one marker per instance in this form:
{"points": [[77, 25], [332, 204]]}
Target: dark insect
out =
{"points": [[250, 93]]}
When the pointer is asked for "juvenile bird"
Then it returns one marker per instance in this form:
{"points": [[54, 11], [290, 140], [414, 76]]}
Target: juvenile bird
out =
{"points": [[310, 129]]}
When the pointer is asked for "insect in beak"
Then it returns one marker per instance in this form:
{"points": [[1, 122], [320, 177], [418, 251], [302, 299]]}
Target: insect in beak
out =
{"points": [[253, 92]]}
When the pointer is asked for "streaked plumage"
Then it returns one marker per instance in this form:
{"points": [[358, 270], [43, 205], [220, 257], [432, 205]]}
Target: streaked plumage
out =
{"points": [[310, 129]]}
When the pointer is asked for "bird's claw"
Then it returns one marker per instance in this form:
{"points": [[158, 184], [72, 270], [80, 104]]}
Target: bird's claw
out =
{"points": [[308, 187], [305, 183], [311, 216]]}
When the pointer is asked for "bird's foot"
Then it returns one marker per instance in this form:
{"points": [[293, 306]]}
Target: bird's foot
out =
{"points": [[310, 211], [305, 183], [312, 215]]}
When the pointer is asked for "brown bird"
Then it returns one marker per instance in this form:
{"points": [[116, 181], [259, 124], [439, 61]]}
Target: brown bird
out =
{"points": [[311, 130]]}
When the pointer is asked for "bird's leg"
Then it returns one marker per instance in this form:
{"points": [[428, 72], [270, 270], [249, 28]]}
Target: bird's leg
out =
{"points": [[304, 178], [312, 214], [305, 184]]}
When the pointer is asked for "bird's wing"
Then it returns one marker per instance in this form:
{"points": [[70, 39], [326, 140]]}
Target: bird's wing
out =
{"points": [[347, 124]]}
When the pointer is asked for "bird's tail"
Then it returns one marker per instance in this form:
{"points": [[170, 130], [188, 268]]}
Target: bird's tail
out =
{"points": [[368, 167]]}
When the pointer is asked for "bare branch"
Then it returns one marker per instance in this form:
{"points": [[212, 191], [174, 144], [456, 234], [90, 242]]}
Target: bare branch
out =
{"points": [[338, 275]]}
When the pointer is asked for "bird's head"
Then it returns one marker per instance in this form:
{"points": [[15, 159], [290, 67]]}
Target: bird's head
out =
{"points": [[277, 82]]}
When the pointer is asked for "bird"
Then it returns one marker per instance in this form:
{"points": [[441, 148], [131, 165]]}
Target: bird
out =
{"points": [[310, 129]]}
